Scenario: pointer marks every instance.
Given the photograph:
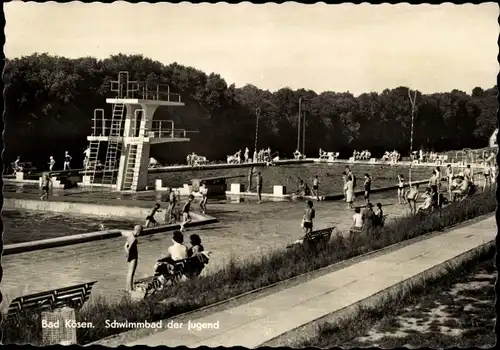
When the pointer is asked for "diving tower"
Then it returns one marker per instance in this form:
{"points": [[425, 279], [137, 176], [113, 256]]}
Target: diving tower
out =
{"points": [[129, 134]]}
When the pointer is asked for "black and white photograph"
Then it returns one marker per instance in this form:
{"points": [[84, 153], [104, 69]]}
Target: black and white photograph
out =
{"points": [[284, 175]]}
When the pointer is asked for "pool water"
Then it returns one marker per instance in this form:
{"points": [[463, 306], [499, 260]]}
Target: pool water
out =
{"points": [[25, 225]]}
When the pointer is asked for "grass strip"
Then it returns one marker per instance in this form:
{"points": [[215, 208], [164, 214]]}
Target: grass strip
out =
{"points": [[236, 278]]}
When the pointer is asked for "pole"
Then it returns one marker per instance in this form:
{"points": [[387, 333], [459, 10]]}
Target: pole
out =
{"points": [[412, 101], [257, 114], [298, 124], [304, 133]]}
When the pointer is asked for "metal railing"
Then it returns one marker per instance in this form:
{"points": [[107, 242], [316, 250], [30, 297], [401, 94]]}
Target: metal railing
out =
{"points": [[145, 90]]}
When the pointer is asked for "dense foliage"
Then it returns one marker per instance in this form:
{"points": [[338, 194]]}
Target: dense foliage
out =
{"points": [[50, 102]]}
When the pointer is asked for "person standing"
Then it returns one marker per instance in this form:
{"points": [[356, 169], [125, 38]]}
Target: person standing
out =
{"points": [[246, 155], [401, 188], [132, 255], [259, 186], [204, 197], [349, 192], [449, 177], [315, 188], [52, 162], [411, 197], [309, 215], [67, 161], [487, 177], [45, 186], [344, 180], [186, 216], [86, 155], [172, 200], [368, 186], [468, 173]]}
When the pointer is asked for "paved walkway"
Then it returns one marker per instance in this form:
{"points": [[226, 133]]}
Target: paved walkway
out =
{"points": [[261, 320]]}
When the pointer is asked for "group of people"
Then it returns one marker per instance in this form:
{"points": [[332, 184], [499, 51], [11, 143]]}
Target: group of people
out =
{"points": [[193, 159], [177, 251], [363, 155], [368, 218], [304, 190], [393, 156], [185, 212]]}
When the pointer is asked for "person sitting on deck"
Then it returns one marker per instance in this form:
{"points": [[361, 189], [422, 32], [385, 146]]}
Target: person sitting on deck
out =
{"points": [[297, 154], [357, 221], [379, 218], [186, 216], [427, 205], [150, 218], [177, 251], [368, 216], [196, 246]]}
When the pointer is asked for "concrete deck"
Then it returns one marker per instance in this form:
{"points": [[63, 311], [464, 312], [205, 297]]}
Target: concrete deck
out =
{"points": [[245, 231], [264, 319]]}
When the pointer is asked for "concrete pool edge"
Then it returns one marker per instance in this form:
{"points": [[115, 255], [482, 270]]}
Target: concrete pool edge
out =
{"points": [[331, 197], [24, 247]]}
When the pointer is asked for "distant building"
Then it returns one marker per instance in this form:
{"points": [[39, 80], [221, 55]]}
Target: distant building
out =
{"points": [[493, 139]]}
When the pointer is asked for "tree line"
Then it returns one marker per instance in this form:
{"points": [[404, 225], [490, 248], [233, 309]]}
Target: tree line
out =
{"points": [[50, 102]]}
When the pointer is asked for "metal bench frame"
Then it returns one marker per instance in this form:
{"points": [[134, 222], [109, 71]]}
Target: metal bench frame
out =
{"points": [[73, 296]]}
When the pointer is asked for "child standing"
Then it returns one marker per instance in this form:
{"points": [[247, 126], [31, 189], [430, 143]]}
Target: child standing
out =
{"points": [[186, 217], [204, 197], [401, 188], [367, 185], [45, 186], [412, 198]]}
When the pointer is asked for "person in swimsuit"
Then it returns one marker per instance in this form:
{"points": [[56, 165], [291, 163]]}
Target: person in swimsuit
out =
{"points": [[150, 218], [487, 177], [52, 162], [186, 218], [411, 198], [449, 176], [67, 161], [259, 186], [45, 186], [316, 187], [204, 197], [468, 173], [368, 186], [433, 181], [401, 188], [309, 215], [172, 201], [132, 255], [379, 216], [357, 222]]}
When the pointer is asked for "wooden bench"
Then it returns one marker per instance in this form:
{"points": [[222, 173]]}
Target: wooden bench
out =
{"points": [[315, 237], [73, 297]]}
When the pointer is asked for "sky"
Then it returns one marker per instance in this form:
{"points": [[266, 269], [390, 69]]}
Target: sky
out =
{"points": [[356, 48]]}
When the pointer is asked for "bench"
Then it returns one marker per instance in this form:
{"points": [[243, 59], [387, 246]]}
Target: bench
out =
{"points": [[73, 297], [315, 237]]}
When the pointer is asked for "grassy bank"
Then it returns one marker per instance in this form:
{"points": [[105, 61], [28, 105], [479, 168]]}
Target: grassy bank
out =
{"points": [[238, 278], [438, 313]]}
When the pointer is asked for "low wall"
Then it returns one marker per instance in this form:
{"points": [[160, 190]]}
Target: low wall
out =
{"points": [[24, 247], [87, 209], [226, 166]]}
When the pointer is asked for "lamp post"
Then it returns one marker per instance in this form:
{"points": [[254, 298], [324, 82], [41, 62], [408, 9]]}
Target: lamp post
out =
{"points": [[304, 131]]}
